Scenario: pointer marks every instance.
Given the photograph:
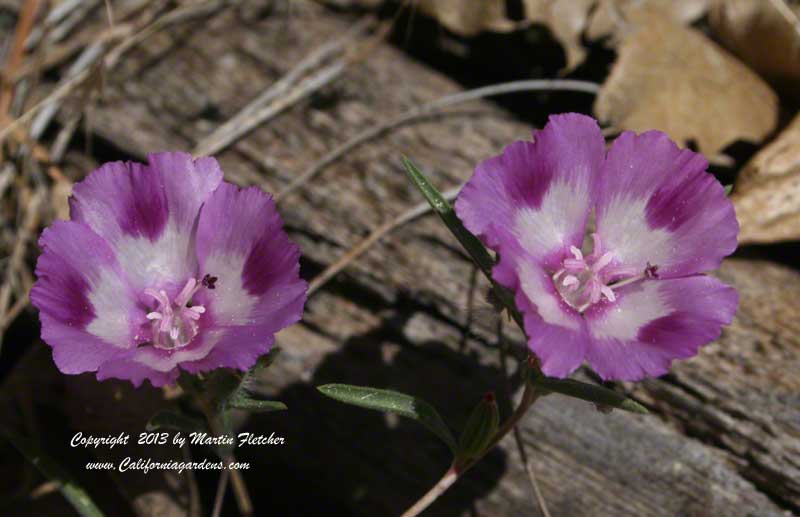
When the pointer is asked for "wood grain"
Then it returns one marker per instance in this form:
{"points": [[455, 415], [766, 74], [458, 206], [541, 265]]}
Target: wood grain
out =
{"points": [[724, 436]]}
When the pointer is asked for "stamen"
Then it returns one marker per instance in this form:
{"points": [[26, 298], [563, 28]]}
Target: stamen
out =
{"points": [[574, 265], [583, 281], [209, 281], [603, 262], [174, 322], [608, 293], [186, 293]]}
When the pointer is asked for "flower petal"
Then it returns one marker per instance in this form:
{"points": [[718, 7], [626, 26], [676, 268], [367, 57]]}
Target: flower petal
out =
{"points": [[656, 321], [556, 332], [88, 310], [136, 371], [657, 204], [542, 191], [148, 212], [258, 291], [157, 365]]}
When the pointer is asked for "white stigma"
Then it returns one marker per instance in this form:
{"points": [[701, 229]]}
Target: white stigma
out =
{"points": [[174, 323]]}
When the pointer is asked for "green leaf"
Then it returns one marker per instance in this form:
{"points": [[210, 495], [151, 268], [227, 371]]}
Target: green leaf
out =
{"points": [[470, 243], [266, 360], [445, 211], [728, 189], [73, 492], [585, 391], [392, 402], [258, 406], [175, 421]]}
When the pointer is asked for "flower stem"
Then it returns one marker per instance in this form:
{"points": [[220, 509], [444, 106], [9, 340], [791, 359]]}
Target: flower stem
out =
{"points": [[237, 481], [438, 489], [240, 491], [529, 396]]}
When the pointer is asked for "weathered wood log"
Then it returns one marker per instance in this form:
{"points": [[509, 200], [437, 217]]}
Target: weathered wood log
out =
{"points": [[724, 436]]}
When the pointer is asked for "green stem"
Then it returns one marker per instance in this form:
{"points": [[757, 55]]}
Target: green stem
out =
{"points": [[240, 491], [456, 470]]}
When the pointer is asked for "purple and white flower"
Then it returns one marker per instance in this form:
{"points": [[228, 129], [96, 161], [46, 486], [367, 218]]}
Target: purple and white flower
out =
{"points": [[164, 267], [628, 296]]}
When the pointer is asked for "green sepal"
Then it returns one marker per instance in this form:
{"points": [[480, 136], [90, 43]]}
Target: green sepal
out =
{"points": [[585, 391], [175, 421], [479, 430]]}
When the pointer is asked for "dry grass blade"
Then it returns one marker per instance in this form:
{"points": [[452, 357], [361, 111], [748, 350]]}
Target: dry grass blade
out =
{"points": [[290, 89], [502, 347], [376, 235], [429, 109], [410, 116], [24, 26], [70, 84], [25, 234], [85, 61]]}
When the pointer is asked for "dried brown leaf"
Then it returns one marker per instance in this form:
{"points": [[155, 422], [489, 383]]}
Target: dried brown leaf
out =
{"points": [[566, 19], [765, 34], [673, 78], [611, 16], [569, 19], [467, 17], [767, 194]]}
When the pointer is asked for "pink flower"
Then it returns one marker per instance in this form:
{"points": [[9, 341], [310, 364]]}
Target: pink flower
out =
{"points": [[632, 296], [164, 267]]}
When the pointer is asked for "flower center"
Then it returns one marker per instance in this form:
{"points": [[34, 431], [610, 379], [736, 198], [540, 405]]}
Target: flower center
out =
{"points": [[174, 323], [584, 281]]}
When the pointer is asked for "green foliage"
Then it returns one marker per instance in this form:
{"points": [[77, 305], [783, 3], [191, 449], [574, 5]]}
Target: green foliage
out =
{"points": [[392, 402], [73, 492]]}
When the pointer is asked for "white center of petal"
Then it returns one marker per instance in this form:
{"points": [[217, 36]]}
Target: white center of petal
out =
{"points": [[584, 281], [174, 322]]}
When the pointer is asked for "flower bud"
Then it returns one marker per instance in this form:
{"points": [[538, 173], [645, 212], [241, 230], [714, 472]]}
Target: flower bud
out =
{"points": [[480, 429]]}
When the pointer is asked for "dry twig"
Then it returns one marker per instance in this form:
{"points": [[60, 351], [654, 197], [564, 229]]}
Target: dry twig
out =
{"points": [[523, 455], [430, 109], [26, 231], [291, 88], [359, 249], [112, 58], [24, 26], [408, 117]]}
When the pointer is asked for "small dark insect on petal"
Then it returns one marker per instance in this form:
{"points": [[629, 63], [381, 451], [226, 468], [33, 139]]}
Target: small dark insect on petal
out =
{"points": [[651, 271], [209, 281]]}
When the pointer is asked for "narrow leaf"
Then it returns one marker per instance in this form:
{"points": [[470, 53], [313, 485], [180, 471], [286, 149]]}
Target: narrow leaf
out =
{"points": [[590, 392], [175, 421], [443, 208], [254, 405], [392, 402], [471, 244], [73, 492]]}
